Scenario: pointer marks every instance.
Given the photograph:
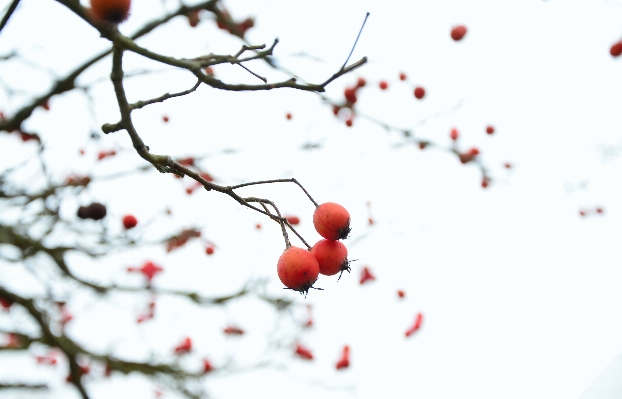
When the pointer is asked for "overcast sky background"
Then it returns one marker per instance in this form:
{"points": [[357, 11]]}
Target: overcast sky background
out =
{"points": [[520, 295]]}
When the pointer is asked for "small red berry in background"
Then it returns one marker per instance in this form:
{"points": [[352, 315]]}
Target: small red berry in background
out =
{"points": [[209, 71], [361, 82], [210, 249], [336, 110], [47, 359], [105, 154], [258, 226], [454, 134], [474, 151], [288, 116], [458, 32], [599, 210], [419, 93], [27, 136], [165, 119], [193, 18], [402, 76], [149, 270], [349, 122], [332, 256], [207, 366], [184, 347], [490, 129], [309, 322], [129, 221], [114, 11], [616, 49], [231, 330], [298, 269], [303, 352], [383, 85], [416, 326], [293, 220], [5, 304], [507, 165], [350, 95], [422, 145], [189, 161], [366, 276], [582, 213], [344, 362], [484, 182], [400, 293]]}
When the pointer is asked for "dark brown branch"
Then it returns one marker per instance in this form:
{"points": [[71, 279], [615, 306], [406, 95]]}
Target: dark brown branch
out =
{"points": [[23, 386], [8, 14]]}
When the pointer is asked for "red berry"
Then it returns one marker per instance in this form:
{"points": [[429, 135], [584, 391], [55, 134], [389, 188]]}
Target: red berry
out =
{"points": [[209, 71], [383, 85], [5, 303], [165, 119], [466, 157], [616, 49], [189, 161], [366, 276], [582, 212], [490, 129], [350, 94], [336, 110], [599, 210], [193, 18], [416, 326], [111, 10], [349, 122], [474, 151], [231, 330], [304, 352], [454, 134], [401, 293], [293, 220], [129, 221], [402, 76], [258, 226], [149, 270], [484, 182], [458, 32], [210, 249], [332, 256], [344, 362], [298, 269], [46, 105], [419, 92], [184, 347], [207, 366], [361, 82], [332, 221], [507, 165], [288, 116]]}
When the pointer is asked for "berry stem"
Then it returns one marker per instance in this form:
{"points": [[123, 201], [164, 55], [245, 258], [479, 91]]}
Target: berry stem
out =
{"points": [[355, 42], [292, 180]]}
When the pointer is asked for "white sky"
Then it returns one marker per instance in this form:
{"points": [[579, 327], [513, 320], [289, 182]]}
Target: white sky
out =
{"points": [[521, 297]]}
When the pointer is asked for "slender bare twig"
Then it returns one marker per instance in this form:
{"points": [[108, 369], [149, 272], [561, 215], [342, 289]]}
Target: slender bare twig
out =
{"points": [[8, 14]]}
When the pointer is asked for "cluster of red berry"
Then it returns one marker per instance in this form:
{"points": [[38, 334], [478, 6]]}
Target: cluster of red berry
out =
{"points": [[298, 268]]}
